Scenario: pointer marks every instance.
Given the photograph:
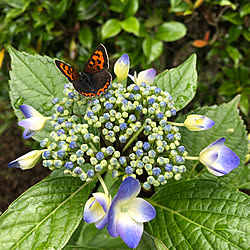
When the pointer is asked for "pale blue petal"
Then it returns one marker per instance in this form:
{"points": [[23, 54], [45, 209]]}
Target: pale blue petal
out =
{"points": [[27, 133], [101, 224], [129, 230], [103, 200], [141, 210], [208, 123], [29, 111], [93, 211], [14, 164], [147, 76], [129, 189], [216, 145]]}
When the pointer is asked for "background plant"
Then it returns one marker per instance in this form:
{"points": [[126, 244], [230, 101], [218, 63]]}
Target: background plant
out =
{"points": [[70, 30]]}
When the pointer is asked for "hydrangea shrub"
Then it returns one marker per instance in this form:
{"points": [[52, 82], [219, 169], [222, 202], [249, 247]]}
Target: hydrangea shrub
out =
{"points": [[119, 143]]}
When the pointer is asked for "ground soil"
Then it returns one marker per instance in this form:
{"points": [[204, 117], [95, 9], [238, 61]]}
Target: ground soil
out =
{"points": [[14, 182]]}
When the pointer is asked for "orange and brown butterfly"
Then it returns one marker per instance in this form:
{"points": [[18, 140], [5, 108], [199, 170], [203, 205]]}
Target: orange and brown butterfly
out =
{"points": [[95, 79]]}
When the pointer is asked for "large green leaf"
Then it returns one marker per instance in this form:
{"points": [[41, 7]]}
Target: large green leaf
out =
{"points": [[171, 31], [201, 214], [45, 216], [35, 81], [152, 48], [228, 124], [180, 82], [111, 28]]}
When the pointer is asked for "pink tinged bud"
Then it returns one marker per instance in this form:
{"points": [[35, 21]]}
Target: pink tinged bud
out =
{"points": [[121, 67], [34, 123], [218, 158], [127, 213], [96, 209], [198, 123], [26, 161], [147, 76]]}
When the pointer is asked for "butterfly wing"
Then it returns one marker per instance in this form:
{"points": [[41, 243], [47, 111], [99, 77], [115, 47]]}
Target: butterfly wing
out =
{"points": [[71, 74], [98, 60], [101, 81]]}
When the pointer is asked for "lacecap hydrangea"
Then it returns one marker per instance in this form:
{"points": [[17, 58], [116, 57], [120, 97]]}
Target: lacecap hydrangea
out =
{"points": [[126, 132]]}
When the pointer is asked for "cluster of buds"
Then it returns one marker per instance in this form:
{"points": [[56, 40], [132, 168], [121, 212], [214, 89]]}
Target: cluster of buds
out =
{"points": [[127, 132]]}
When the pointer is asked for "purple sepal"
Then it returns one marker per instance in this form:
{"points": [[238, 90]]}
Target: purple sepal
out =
{"points": [[14, 164]]}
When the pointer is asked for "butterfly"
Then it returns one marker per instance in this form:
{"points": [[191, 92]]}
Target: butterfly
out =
{"points": [[95, 79]]}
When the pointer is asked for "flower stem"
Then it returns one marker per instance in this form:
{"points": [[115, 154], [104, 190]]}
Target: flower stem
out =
{"points": [[103, 184], [192, 158], [134, 137], [93, 146], [176, 124]]}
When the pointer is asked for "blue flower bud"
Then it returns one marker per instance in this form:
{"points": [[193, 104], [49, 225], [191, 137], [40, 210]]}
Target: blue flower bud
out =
{"points": [[159, 115], [168, 167], [124, 101], [146, 186], [156, 171], [87, 136], [175, 169], [136, 88], [173, 111], [139, 152], [108, 95], [151, 180], [60, 132], [168, 128], [71, 95], [108, 106], [179, 159], [151, 100], [170, 137], [122, 160], [122, 138], [106, 116], [80, 160], [60, 109], [110, 150], [68, 124], [90, 114], [44, 142], [181, 149], [160, 149], [60, 120], [163, 104], [61, 153], [147, 128], [77, 170], [46, 154], [83, 176], [151, 110], [55, 100], [139, 107], [69, 165], [143, 84], [129, 170], [98, 168], [115, 173], [73, 145], [151, 153], [90, 173], [109, 125], [99, 156], [159, 137], [132, 118], [52, 146], [157, 90]]}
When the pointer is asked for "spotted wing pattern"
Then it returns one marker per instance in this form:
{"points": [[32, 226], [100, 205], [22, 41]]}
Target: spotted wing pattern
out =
{"points": [[98, 60], [67, 71]]}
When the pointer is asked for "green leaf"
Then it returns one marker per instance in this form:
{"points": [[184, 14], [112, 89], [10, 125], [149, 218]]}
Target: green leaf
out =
{"points": [[111, 28], [246, 34], [201, 214], [171, 31], [86, 37], [234, 54], [233, 18], [179, 6], [180, 82], [244, 104], [234, 33], [45, 216], [152, 48], [130, 8], [228, 124], [36, 81], [131, 25], [150, 242], [245, 10], [92, 238]]}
